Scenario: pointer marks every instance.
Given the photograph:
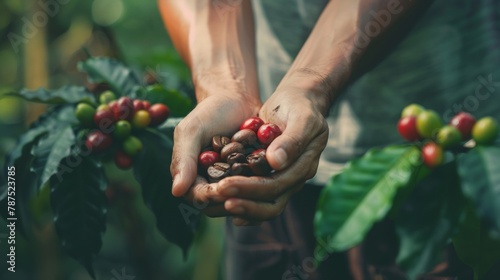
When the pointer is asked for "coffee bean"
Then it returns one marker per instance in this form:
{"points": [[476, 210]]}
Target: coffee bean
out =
{"points": [[218, 171], [236, 157], [233, 147], [218, 142], [242, 169], [246, 137], [258, 164]]}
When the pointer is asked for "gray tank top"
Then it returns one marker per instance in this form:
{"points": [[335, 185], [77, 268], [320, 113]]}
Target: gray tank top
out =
{"points": [[449, 62]]}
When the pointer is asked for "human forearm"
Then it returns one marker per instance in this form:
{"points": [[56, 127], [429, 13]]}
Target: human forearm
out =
{"points": [[336, 48], [216, 42]]}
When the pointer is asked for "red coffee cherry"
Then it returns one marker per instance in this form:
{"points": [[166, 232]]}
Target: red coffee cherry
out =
{"points": [[267, 133], [124, 109], [208, 158], [464, 123], [98, 142], [138, 105], [146, 104], [159, 113], [432, 154], [253, 123], [407, 128], [104, 116]]}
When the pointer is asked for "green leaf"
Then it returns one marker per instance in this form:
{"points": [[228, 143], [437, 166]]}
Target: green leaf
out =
{"points": [[53, 119], [362, 194], [122, 80], [50, 151], [428, 218], [152, 171], [79, 205], [66, 94], [21, 157], [479, 170], [179, 104], [474, 246], [25, 184]]}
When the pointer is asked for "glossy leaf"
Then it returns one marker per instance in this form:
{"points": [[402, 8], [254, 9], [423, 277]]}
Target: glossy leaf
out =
{"points": [[50, 151], [66, 94], [474, 246], [479, 170], [79, 205], [53, 119], [25, 185], [428, 218], [121, 79], [152, 171], [362, 194]]}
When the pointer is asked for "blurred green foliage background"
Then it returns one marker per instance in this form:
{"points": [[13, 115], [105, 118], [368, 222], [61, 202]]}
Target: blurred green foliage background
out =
{"points": [[42, 41]]}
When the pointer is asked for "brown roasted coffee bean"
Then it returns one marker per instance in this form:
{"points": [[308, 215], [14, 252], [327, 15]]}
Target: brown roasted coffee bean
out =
{"points": [[247, 137], [242, 169], [218, 171], [236, 157], [218, 142], [233, 147], [258, 164]]}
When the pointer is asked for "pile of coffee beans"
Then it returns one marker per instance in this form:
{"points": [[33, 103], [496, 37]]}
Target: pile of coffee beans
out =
{"points": [[242, 154]]}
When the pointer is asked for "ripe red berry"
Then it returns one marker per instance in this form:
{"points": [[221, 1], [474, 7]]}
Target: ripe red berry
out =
{"points": [[98, 142], [124, 109], [464, 123], [159, 113], [122, 160], [146, 104], [208, 158], [112, 105], [104, 117], [138, 105], [267, 133], [407, 128], [253, 123], [432, 154]]}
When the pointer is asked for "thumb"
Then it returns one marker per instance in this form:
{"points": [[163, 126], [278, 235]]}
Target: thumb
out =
{"points": [[287, 147], [184, 161]]}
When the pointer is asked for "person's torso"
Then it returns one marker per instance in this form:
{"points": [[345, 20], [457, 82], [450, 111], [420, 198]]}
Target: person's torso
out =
{"points": [[448, 62]]}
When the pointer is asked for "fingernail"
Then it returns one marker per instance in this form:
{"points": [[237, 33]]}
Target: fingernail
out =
{"points": [[280, 156], [230, 191]]}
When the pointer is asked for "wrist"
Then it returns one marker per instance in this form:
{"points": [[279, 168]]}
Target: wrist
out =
{"points": [[221, 88], [322, 89]]}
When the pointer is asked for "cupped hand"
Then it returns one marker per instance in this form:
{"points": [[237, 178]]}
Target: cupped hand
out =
{"points": [[216, 114], [294, 156]]}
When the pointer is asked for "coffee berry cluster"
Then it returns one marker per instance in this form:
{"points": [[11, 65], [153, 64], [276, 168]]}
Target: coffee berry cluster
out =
{"points": [[115, 121], [243, 154], [419, 124]]}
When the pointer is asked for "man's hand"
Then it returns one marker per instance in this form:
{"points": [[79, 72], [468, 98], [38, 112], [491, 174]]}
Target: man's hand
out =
{"points": [[219, 114], [294, 155]]}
